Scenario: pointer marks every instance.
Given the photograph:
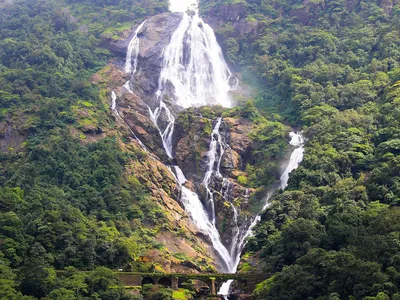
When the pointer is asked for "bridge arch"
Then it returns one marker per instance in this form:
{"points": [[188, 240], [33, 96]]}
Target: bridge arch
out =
{"points": [[198, 285], [147, 280], [165, 281]]}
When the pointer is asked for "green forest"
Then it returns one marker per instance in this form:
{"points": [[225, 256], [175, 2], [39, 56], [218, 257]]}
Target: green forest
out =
{"points": [[330, 68], [65, 205]]}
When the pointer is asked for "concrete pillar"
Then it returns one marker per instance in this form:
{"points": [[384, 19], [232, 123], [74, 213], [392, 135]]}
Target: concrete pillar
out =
{"points": [[213, 289], [174, 283]]}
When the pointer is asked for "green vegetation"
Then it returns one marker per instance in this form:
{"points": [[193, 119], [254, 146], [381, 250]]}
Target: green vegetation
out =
{"points": [[329, 67], [269, 145], [63, 204], [332, 68]]}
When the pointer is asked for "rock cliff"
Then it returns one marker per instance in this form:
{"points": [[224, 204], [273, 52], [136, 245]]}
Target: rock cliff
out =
{"points": [[234, 201]]}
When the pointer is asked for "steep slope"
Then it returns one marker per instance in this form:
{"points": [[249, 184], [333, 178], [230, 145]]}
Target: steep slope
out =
{"points": [[332, 68], [85, 180], [193, 130]]}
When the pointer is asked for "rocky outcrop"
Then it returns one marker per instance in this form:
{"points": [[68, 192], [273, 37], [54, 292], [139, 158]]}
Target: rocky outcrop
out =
{"points": [[180, 236], [235, 14], [13, 133], [191, 140], [240, 140], [133, 110], [193, 136], [154, 37]]}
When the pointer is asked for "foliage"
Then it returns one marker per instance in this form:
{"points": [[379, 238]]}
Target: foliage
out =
{"points": [[65, 204], [332, 68]]}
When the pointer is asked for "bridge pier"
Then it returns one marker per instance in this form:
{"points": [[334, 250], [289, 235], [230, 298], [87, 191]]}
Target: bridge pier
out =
{"points": [[174, 282], [213, 289]]}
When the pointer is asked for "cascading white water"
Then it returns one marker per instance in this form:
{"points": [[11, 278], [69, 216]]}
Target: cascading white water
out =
{"points": [[295, 159], [217, 145], [194, 207], [211, 157], [226, 191], [194, 72], [114, 103], [166, 135], [132, 54]]}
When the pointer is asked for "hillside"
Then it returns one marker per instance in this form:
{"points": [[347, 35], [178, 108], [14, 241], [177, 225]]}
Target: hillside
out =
{"points": [[98, 172], [332, 68], [87, 187]]}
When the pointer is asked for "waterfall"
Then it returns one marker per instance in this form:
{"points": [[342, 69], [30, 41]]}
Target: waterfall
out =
{"points": [[226, 191], [195, 208], [114, 103], [166, 135], [217, 146], [295, 159], [216, 140], [194, 72], [133, 52]]}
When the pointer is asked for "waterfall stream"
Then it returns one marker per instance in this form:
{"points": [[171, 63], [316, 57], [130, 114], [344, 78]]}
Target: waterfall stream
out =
{"points": [[199, 216], [133, 52], [296, 157], [216, 140], [194, 73], [198, 79]]}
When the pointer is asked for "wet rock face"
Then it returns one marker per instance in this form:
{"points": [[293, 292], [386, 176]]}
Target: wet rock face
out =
{"points": [[192, 137], [154, 37], [240, 144], [191, 140], [135, 113]]}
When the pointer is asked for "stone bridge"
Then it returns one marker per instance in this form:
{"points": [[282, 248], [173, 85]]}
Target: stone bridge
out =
{"points": [[211, 282]]}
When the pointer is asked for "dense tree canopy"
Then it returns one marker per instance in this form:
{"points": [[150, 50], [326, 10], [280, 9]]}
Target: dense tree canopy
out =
{"points": [[65, 204], [332, 69]]}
